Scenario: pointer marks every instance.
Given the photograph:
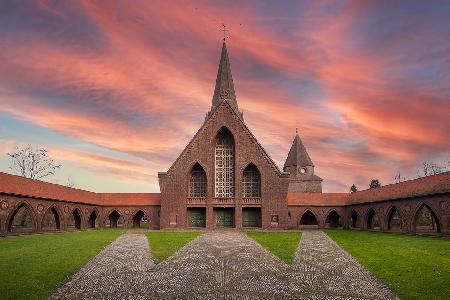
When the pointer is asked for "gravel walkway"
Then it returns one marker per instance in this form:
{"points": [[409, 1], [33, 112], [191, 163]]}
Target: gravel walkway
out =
{"points": [[223, 265]]}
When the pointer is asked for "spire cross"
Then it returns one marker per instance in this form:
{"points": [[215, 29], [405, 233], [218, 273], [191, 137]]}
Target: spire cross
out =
{"points": [[296, 130], [224, 30]]}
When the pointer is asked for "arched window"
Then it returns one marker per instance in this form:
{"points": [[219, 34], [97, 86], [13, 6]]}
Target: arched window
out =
{"points": [[93, 220], [333, 220], [354, 220], [115, 220], [74, 221], [224, 164], [50, 221], [138, 218], [308, 218], [372, 220], [197, 183], [251, 182], [394, 221], [21, 220], [426, 220]]}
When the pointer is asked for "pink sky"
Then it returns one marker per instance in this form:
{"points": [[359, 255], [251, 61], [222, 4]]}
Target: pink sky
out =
{"points": [[116, 89]]}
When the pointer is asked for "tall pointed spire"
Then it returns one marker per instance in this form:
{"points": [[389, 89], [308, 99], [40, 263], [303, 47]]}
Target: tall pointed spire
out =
{"points": [[224, 90], [297, 154]]}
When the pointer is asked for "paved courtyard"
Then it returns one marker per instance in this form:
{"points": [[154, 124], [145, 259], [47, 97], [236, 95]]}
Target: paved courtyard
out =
{"points": [[223, 265]]}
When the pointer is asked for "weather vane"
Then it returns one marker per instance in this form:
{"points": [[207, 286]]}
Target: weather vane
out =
{"points": [[224, 30]]}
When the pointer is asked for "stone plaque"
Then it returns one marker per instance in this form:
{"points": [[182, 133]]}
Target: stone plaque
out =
{"points": [[40, 208]]}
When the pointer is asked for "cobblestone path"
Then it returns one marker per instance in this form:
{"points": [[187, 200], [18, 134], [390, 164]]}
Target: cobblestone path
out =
{"points": [[114, 273], [323, 270], [224, 265]]}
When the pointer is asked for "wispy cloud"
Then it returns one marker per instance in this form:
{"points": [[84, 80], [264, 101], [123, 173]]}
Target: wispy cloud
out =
{"points": [[366, 82]]}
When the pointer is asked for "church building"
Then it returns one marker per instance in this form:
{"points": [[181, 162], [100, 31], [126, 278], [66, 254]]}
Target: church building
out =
{"points": [[225, 178]]}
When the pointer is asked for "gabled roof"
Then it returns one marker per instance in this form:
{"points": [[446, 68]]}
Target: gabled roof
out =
{"points": [[297, 154], [21, 186], [224, 83], [244, 126]]}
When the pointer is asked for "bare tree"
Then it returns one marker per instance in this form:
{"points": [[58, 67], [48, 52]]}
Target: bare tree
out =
{"points": [[70, 183], [432, 168], [32, 162], [399, 178]]}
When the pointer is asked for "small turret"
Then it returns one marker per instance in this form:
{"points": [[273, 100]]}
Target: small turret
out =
{"points": [[301, 168]]}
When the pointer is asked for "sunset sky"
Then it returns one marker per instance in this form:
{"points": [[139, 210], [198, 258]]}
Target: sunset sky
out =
{"points": [[116, 89]]}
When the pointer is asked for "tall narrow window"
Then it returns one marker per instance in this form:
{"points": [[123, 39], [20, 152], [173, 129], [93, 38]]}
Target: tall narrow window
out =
{"points": [[251, 182], [224, 164], [197, 183]]}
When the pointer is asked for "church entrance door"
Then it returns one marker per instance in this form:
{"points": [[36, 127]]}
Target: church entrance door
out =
{"points": [[196, 217], [251, 217], [224, 217]]}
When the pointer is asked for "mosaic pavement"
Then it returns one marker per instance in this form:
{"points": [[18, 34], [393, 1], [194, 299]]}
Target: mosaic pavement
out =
{"points": [[223, 265]]}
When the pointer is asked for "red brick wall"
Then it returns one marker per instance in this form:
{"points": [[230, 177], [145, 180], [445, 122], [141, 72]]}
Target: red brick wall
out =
{"points": [[174, 185]]}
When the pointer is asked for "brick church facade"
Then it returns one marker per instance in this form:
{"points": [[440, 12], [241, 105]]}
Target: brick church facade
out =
{"points": [[224, 178]]}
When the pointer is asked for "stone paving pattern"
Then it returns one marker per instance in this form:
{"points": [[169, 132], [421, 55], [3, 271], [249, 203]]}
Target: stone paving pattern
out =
{"points": [[224, 265]]}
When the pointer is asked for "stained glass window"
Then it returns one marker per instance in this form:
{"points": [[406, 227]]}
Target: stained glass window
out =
{"points": [[224, 165], [251, 182], [197, 183]]}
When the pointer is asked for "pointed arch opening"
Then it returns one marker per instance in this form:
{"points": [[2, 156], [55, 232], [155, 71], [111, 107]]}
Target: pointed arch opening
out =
{"points": [[354, 219], [224, 164], [51, 220], [308, 218], [74, 222], [394, 220], [426, 220], [115, 220], [372, 220], [333, 220], [251, 182], [138, 220], [197, 182], [93, 220], [21, 220]]}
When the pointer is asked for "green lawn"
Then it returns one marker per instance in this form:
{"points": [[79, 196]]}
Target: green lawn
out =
{"points": [[165, 243], [415, 267], [32, 266], [281, 244]]}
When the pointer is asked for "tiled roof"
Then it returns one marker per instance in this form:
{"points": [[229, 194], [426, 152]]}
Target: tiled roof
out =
{"points": [[117, 199], [317, 199], [21, 186], [430, 185], [436, 184]]}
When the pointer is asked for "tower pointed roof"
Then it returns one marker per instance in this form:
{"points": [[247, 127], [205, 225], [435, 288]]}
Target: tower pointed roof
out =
{"points": [[224, 89], [297, 154]]}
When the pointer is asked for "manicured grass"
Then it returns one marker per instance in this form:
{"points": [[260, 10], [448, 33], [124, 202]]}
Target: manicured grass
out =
{"points": [[281, 244], [32, 266], [415, 267], [163, 244]]}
